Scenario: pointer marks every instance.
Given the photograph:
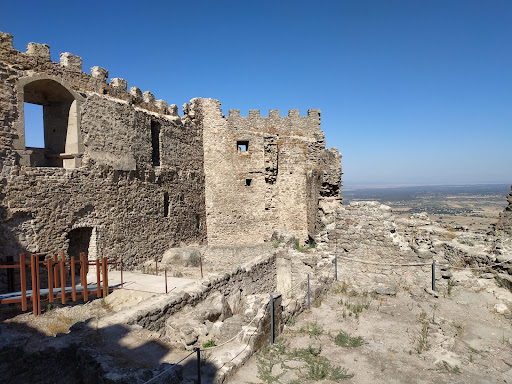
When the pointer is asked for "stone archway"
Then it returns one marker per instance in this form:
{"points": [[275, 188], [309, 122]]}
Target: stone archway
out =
{"points": [[61, 119]]}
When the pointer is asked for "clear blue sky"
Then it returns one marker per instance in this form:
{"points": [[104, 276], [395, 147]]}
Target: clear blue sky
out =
{"points": [[411, 92]]}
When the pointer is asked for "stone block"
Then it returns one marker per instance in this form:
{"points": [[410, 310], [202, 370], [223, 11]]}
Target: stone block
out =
{"points": [[41, 51], [71, 61], [117, 82], [99, 73]]}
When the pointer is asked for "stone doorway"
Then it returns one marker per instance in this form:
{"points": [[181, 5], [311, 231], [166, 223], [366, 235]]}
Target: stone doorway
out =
{"points": [[79, 241]]}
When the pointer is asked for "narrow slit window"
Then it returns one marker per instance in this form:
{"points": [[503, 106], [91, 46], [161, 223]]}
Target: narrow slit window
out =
{"points": [[198, 221], [248, 182], [166, 204], [155, 143], [242, 146]]}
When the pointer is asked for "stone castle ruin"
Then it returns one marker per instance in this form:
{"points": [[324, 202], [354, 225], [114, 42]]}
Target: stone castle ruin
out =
{"points": [[122, 175]]}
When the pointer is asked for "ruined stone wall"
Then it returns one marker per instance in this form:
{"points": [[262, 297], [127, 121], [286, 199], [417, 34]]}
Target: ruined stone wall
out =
{"points": [[272, 182], [127, 166], [505, 220]]}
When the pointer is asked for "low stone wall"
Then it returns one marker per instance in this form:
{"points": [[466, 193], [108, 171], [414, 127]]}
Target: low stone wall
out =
{"points": [[254, 278]]}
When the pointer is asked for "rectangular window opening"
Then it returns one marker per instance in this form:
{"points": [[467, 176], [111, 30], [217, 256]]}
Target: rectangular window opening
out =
{"points": [[198, 221], [166, 204], [248, 182], [155, 143], [34, 125], [242, 146]]}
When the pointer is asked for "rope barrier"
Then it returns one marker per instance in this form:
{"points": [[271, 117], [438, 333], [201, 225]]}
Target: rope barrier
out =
{"points": [[474, 268], [385, 264], [421, 264], [302, 281]]}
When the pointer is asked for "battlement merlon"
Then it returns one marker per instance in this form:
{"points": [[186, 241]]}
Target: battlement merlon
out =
{"points": [[275, 113], [6, 41], [71, 61], [37, 57], [294, 122]]}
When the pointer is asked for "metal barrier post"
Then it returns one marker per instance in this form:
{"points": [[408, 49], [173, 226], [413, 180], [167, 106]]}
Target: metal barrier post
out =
{"points": [[23, 280], [271, 319], [198, 350], [33, 267], [73, 279], [309, 295], [336, 266], [434, 275]]}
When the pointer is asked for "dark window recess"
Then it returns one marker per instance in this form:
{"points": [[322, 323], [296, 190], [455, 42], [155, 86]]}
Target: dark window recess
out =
{"points": [[242, 146], [79, 239], [166, 204], [155, 143], [248, 182], [198, 221]]}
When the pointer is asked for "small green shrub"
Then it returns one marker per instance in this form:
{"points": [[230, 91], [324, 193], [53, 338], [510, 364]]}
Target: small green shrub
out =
{"points": [[299, 248], [210, 343], [343, 339], [312, 329]]}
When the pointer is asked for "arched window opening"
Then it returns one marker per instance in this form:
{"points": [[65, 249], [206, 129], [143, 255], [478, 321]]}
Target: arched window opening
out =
{"points": [[49, 105]]}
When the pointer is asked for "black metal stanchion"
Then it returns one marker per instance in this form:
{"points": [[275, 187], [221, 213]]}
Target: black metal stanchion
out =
{"points": [[336, 266], [198, 350], [434, 275], [271, 319], [309, 295]]}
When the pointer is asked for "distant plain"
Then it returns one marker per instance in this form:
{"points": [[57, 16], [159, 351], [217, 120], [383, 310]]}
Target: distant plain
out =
{"points": [[475, 207]]}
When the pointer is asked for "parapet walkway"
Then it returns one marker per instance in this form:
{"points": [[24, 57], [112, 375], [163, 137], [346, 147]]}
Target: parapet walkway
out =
{"points": [[146, 282]]}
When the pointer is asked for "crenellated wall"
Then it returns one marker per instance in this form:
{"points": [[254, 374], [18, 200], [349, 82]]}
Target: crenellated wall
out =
{"points": [[504, 224]]}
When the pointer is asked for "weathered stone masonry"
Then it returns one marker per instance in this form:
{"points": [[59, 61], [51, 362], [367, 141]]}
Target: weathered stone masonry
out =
{"points": [[265, 173], [124, 176], [121, 165]]}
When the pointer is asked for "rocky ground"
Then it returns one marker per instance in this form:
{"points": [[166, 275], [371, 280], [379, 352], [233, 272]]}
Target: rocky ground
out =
{"points": [[380, 322], [403, 335]]}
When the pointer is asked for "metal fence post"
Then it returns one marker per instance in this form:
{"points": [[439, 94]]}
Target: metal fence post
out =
{"points": [[198, 350], [271, 319], [434, 275], [309, 295], [336, 266]]}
